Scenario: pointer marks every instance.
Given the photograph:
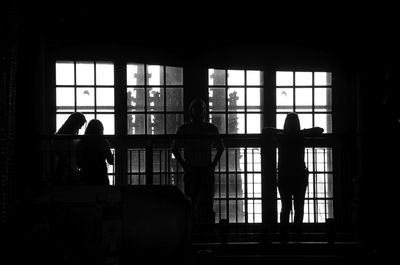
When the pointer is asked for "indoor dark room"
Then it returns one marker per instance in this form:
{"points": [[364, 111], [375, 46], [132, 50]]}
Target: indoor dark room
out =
{"points": [[141, 132]]}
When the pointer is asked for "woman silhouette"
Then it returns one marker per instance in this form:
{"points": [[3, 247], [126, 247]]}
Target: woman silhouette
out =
{"points": [[292, 171], [92, 153]]}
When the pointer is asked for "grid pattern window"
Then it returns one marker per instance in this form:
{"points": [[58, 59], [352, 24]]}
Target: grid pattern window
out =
{"points": [[309, 94], [154, 98], [238, 186], [87, 87], [318, 203], [137, 166], [235, 100]]}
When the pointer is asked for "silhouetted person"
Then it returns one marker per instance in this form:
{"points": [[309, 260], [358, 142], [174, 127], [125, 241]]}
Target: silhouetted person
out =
{"points": [[92, 153], [65, 163], [292, 170], [198, 163]]}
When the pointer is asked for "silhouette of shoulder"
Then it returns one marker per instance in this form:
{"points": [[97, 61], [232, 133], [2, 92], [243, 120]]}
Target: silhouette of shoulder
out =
{"points": [[193, 128]]}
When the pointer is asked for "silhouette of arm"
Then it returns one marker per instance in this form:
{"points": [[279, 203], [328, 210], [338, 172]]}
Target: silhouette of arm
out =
{"points": [[109, 155], [271, 130], [175, 150], [219, 144], [313, 131]]}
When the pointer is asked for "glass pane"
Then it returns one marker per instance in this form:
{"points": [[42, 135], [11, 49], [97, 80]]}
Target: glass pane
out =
{"points": [[219, 121], [305, 121], [254, 162], [155, 124], [236, 123], [174, 75], [105, 99], [280, 120], [254, 78], [220, 210], [135, 98], [84, 73], [136, 123], [235, 77], [155, 75], [85, 99], [216, 77], [236, 99], [236, 159], [155, 99], [303, 99], [174, 99], [284, 99], [65, 99], [324, 121], [105, 74], [303, 78], [108, 122], [322, 99], [135, 74], [88, 117], [322, 79], [217, 98], [284, 78], [173, 122], [253, 99], [253, 123], [60, 119], [65, 73]]}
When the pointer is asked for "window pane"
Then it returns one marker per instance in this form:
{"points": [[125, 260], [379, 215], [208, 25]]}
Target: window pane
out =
{"points": [[135, 74], [284, 99], [280, 120], [105, 99], [216, 98], [324, 121], [323, 99], [65, 73], [219, 121], [173, 122], [216, 77], [322, 79], [303, 78], [236, 123], [60, 119], [105, 74], [303, 99], [135, 98], [284, 78], [236, 99], [65, 99], [108, 122], [155, 124], [253, 123], [305, 121], [136, 123], [155, 99], [254, 78], [174, 75], [254, 99], [155, 75], [85, 73], [174, 98], [85, 99], [235, 77]]}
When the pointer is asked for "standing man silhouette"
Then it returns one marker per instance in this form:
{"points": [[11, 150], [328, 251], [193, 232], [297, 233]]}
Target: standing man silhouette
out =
{"points": [[198, 163]]}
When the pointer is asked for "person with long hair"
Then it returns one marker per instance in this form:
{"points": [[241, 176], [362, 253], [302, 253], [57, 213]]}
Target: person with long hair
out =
{"points": [[292, 170], [93, 152], [65, 168]]}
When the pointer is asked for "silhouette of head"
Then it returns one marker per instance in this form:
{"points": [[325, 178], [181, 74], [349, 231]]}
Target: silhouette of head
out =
{"points": [[72, 125], [292, 123], [95, 127], [197, 110]]}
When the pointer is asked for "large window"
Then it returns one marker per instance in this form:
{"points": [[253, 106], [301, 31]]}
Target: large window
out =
{"points": [[235, 100], [154, 98], [87, 87], [307, 93]]}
